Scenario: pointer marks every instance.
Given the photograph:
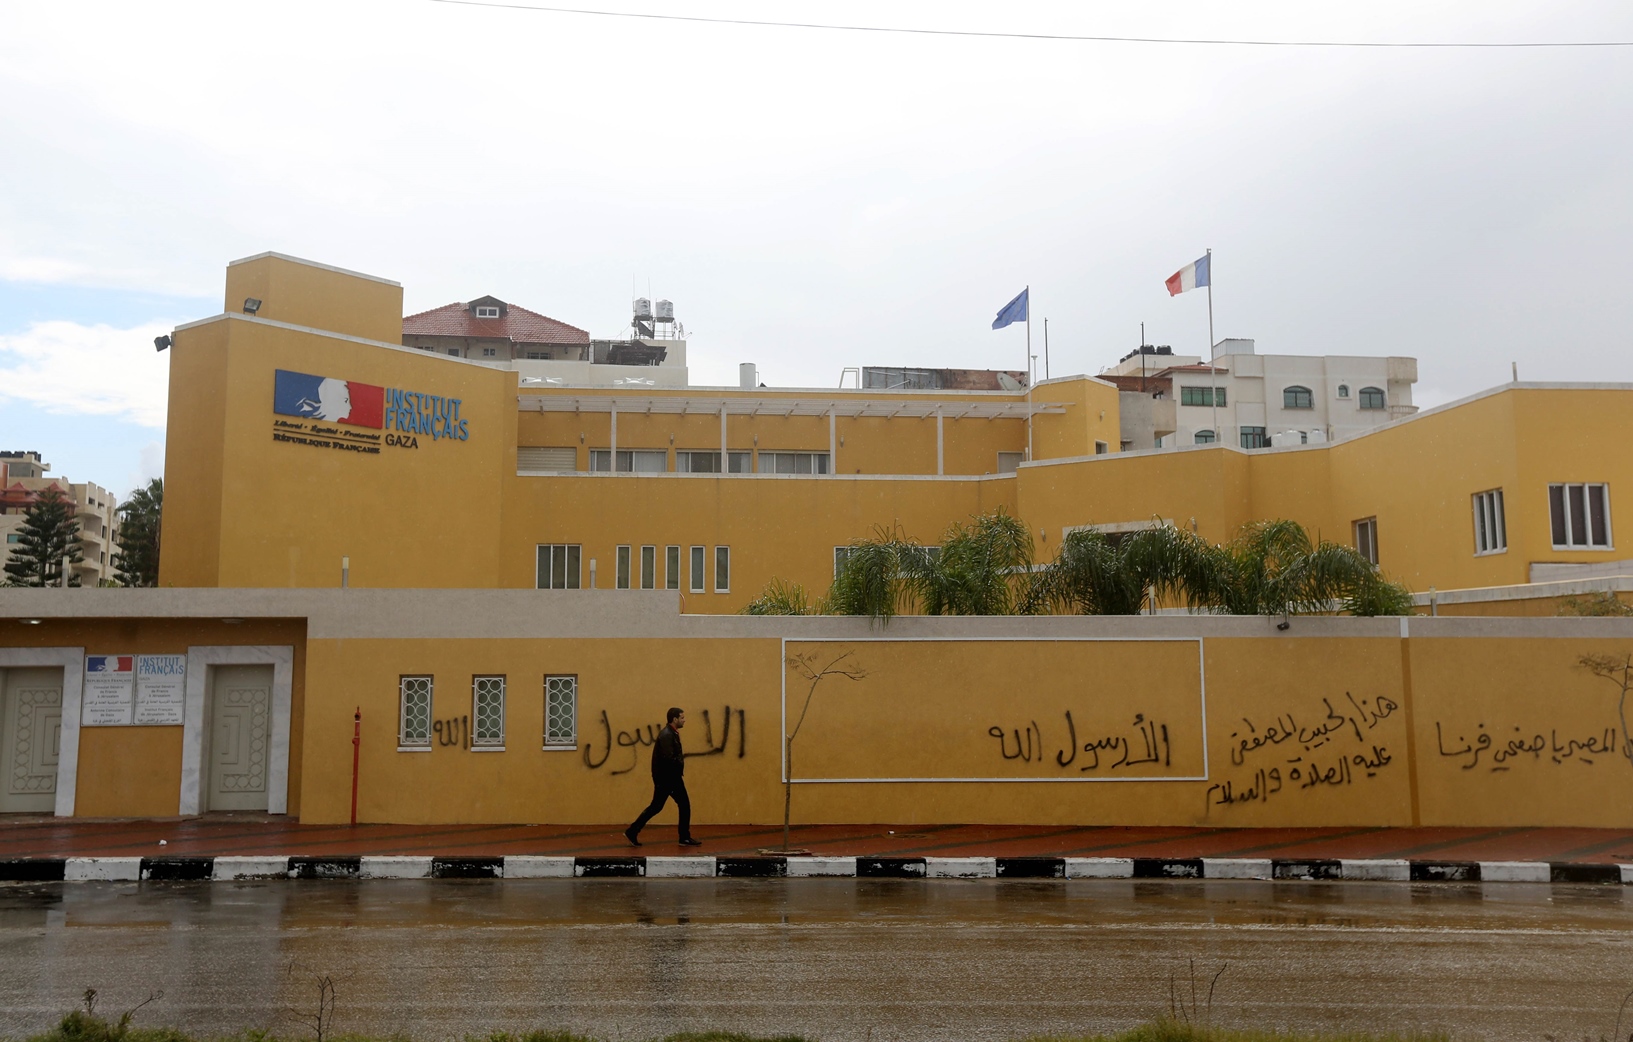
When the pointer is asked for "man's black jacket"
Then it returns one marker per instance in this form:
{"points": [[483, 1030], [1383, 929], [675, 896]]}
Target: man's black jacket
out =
{"points": [[667, 762]]}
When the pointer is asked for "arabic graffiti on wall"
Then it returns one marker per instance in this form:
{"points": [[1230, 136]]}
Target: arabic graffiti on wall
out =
{"points": [[1337, 748], [1525, 747], [1145, 742], [639, 736]]}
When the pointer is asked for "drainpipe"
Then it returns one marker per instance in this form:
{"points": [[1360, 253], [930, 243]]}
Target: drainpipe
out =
{"points": [[357, 745]]}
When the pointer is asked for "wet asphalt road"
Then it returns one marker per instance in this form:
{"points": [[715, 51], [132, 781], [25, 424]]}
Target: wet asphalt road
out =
{"points": [[833, 959]]}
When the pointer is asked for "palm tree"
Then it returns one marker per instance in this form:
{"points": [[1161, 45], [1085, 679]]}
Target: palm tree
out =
{"points": [[780, 597], [1272, 568], [983, 568]]}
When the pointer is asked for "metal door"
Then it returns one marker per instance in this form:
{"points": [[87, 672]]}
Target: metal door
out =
{"points": [[30, 739], [240, 699]]}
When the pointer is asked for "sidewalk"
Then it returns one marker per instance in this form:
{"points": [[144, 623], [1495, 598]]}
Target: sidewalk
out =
{"points": [[235, 835]]}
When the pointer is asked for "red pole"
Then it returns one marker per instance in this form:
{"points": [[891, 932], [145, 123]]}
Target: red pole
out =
{"points": [[357, 744]]}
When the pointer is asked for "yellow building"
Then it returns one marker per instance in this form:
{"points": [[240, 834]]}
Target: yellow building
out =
{"points": [[456, 476]]}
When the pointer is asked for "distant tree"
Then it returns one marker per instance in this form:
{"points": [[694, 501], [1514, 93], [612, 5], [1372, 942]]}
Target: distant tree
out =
{"points": [[138, 556], [48, 534]]}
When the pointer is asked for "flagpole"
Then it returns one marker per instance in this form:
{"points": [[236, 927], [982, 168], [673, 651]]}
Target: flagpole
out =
{"points": [[1029, 372], [1213, 357]]}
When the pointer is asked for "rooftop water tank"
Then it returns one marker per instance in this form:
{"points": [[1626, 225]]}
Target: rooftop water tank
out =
{"points": [[666, 311], [643, 307]]}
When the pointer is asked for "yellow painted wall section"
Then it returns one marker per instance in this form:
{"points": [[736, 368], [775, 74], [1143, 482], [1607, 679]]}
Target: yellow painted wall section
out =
{"points": [[303, 293], [128, 772], [1300, 731], [1208, 484], [1517, 731], [1570, 435], [1091, 416], [775, 527], [419, 514], [607, 777], [194, 460]]}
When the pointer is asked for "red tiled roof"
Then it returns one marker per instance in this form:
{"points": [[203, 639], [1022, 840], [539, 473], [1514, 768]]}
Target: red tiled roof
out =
{"points": [[517, 324]]}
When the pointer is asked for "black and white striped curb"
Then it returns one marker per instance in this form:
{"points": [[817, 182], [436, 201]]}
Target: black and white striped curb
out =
{"points": [[528, 866]]}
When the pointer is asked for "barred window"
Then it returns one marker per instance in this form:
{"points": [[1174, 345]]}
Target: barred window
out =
{"points": [[488, 711], [561, 711], [414, 720]]}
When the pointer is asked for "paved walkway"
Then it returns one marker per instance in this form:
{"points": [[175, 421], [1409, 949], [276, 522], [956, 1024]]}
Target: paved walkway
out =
{"points": [[240, 834]]}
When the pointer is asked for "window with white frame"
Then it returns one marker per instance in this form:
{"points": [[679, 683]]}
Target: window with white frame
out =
{"points": [[414, 712], [1366, 539], [630, 461], [486, 311], [722, 569], [561, 711], [1343, 390], [1579, 515], [558, 566], [1490, 526], [793, 462], [490, 352], [698, 573], [649, 567], [697, 461], [671, 567], [487, 711], [1203, 438], [621, 568]]}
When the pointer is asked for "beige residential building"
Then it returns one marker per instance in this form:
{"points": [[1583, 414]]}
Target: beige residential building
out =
{"points": [[23, 476]]}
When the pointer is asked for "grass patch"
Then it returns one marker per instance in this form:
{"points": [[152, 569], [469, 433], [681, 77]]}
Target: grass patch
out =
{"points": [[1170, 1030]]}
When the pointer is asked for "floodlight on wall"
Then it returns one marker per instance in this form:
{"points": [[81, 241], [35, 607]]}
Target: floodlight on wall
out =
{"points": [[251, 305], [161, 342]]}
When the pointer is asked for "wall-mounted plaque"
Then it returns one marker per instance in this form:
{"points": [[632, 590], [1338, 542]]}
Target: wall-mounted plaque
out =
{"points": [[161, 689], [110, 690]]}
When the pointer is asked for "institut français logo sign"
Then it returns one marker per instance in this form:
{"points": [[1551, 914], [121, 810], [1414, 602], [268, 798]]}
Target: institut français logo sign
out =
{"points": [[357, 417]]}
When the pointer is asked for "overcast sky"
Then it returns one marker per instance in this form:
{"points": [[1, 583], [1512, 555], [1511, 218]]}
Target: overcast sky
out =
{"points": [[813, 199]]}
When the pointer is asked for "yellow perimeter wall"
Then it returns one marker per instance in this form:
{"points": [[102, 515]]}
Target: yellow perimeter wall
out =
{"points": [[1336, 723], [1300, 731]]}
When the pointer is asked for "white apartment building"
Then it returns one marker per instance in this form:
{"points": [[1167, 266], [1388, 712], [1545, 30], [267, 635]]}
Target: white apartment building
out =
{"points": [[22, 476], [1253, 400]]}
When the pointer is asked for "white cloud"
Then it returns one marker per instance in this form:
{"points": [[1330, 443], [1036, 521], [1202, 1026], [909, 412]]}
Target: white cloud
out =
{"points": [[73, 369], [150, 466]]}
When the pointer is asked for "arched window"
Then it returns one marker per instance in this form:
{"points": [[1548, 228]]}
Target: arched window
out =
{"points": [[1372, 398], [1343, 390], [1298, 398], [1204, 437]]}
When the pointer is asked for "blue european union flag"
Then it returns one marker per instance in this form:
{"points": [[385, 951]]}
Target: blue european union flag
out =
{"points": [[1014, 311]]}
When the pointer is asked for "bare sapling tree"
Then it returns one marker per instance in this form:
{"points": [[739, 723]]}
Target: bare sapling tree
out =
{"points": [[811, 668], [1618, 671], [321, 1017]]}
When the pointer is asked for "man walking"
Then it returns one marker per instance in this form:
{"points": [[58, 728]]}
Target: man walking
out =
{"points": [[668, 780]]}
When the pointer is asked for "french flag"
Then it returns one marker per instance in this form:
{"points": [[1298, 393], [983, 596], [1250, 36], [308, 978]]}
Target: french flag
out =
{"points": [[109, 663], [1192, 276], [326, 398]]}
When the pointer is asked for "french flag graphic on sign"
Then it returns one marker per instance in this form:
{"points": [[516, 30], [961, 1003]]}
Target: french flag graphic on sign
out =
{"points": [[325, 398], [110, 663]]}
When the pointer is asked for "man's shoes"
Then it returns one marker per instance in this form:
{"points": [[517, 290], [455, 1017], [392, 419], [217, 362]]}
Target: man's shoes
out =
{"points": [[690, 842], [629, 834]]}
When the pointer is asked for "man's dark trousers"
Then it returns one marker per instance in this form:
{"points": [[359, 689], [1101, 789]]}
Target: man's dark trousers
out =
{"points": [[662, 791]]}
